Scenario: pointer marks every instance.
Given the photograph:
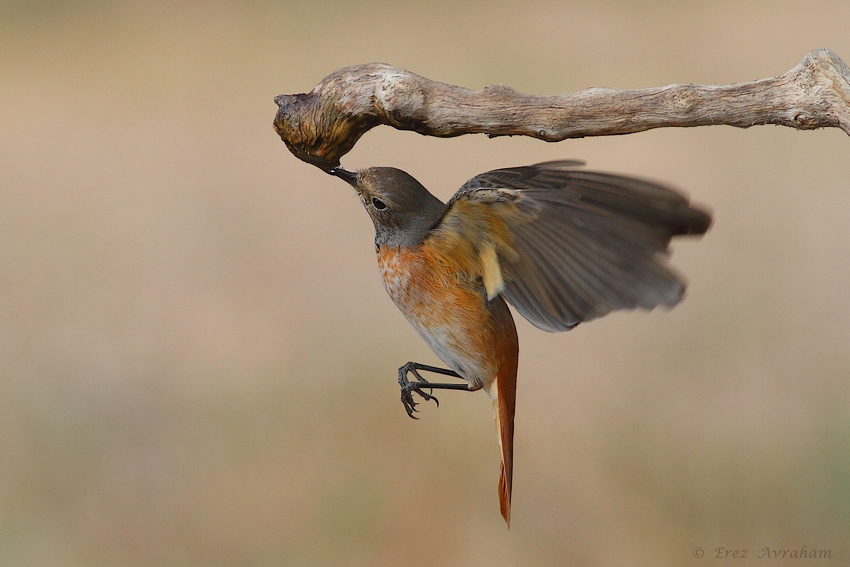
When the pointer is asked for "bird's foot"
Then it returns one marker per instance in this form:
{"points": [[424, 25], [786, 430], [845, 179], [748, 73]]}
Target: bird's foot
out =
{"points": [[419, 385]]}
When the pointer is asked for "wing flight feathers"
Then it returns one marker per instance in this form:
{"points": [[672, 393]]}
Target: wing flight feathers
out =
{"points": [[564, 245]]}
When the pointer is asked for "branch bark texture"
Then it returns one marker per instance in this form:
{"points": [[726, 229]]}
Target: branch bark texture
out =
{"points": [[321, 126]]}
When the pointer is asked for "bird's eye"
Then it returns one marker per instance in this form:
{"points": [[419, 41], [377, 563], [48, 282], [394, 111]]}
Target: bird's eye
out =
{"points": [[378, 204]]}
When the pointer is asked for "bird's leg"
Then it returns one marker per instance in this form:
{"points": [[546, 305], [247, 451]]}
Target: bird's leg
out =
{"points": [[420, 384]]}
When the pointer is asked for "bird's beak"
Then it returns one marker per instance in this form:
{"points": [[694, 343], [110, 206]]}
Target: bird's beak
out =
{"points": [[349, 177]]}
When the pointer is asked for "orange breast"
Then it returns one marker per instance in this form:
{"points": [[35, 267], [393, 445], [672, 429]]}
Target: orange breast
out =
{"points": [[448, 308]]}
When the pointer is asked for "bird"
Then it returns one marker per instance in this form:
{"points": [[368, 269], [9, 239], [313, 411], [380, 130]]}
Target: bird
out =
{"points": [[561, 244]]}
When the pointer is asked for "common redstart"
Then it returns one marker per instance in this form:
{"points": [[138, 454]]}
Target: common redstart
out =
{"points": [[561, 244]]}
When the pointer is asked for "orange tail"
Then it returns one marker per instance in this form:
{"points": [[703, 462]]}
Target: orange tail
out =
{"points": [[504, 406]]}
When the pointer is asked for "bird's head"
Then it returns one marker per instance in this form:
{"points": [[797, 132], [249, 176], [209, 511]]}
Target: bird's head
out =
{"points": [[401, 209]]}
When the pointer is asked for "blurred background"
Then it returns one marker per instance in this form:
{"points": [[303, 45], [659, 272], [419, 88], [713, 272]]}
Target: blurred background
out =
{"points": [[198, 361]]}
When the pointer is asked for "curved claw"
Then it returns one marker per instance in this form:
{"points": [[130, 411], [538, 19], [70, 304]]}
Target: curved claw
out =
{"points": [[409, 404], [430, 397], [425, 396], [407, 389]]}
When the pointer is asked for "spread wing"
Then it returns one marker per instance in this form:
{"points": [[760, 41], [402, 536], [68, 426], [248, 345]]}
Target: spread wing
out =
{"points": [[564, 245]]}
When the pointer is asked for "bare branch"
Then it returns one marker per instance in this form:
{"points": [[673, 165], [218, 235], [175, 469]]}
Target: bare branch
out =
{"points": [[321, 126]]}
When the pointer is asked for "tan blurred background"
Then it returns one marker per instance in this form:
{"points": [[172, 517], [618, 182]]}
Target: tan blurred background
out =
{"points": [[198, 361]]}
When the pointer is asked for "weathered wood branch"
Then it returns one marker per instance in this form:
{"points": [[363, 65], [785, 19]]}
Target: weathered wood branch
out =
{"points": [[321, 126]]}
